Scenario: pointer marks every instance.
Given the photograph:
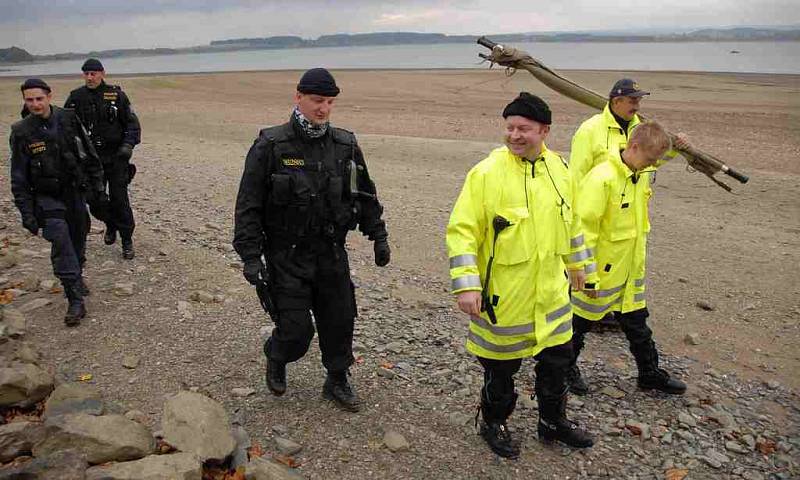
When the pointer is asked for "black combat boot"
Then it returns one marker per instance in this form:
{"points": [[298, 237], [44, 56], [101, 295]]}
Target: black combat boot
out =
{"points": [[339, 390], [493, 426], [127, 248], [650, 376], [110, 237], [553, 423], [575, 381], [276, 377], [76, 309]]}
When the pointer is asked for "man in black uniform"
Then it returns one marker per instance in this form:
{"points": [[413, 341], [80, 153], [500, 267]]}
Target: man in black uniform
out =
{"points": [[114, 128], [305, 184], [53, 166]]}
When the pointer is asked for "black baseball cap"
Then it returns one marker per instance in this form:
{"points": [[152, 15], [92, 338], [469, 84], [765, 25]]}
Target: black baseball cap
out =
{"points": [[627, 87]]}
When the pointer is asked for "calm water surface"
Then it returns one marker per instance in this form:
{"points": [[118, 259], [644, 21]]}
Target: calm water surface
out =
{"points": [[760, 57]]}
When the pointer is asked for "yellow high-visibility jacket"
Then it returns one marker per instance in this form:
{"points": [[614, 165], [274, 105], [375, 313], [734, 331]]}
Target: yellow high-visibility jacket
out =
{"points": [[528, 284], [612, 203], [598, 139]]}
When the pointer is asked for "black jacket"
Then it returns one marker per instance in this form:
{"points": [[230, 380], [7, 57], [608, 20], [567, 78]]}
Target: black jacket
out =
{"points": [[51, 157], [107, 114], [295, 187]]}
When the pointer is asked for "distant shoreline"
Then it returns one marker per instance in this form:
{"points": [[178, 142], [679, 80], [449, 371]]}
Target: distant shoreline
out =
{"points": [[61, 76]]}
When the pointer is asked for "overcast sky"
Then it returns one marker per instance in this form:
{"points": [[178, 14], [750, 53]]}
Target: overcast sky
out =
{"points": [[54, 26]]}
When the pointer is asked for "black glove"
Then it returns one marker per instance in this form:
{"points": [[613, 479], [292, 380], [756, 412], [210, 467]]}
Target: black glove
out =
{"points": [[255, 271], [382, 252], [125, 151], [30, 224]]}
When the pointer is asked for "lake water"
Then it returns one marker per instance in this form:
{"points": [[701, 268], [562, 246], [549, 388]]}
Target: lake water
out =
{"points": [[760, 57]]}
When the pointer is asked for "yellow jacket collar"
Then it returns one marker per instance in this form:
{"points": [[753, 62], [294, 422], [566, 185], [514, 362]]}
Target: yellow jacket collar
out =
{"points": [[610, 121], [518, 159]]}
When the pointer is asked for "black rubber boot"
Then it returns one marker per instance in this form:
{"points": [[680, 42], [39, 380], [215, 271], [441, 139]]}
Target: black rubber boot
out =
{"points": [[553, 423], [110, 237], [339, 390], [650, 376], [127, 249], [493, 426], [76, 309], [276, 377], [575, 381]]}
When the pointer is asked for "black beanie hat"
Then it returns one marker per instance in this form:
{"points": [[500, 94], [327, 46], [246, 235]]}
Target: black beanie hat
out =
{"points": [[92, 65], [35, 83], [318, 81], [529, 106]]}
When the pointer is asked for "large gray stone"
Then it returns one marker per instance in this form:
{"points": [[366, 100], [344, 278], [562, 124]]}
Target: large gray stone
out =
{"points": [[197, 424], [177, 466], [17, 351], [261, 469], [14, 321], [18, 438], [23, 384], [73, 398], [102, 439], [62, 465]]}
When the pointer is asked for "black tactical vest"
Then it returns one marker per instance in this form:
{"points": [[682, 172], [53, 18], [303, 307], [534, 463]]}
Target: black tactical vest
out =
{"points": [[51, 147], [309, 183], [101, 111]]}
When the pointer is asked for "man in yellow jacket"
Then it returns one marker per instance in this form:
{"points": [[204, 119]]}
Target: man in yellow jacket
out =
{"points": [[603, 135], [511, 237], [612, 203]]}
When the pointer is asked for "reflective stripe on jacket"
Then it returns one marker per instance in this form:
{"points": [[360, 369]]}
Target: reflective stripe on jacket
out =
{"points": [[612, 203], [528, 285]]}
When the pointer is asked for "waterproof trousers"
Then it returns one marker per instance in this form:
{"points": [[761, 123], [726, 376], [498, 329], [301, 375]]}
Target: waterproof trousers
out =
{"points": [[311, 277]]}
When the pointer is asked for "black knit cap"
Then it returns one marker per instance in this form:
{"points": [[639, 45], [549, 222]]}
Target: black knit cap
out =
{"points": [[92, 65], [529, 106], [35, 83], [318, 81]]}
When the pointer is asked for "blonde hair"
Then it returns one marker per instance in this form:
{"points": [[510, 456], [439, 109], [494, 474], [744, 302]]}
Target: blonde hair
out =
{"points": [[651, 136]]}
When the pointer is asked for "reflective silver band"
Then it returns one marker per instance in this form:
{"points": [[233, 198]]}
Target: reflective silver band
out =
{"points": [[639, 297], [563, 328], [609, 292], [592, 308], [502, 331], [580, 256], [467, 281], [492, 347], [577, 241], [465, 260], [556, 314], [639, 282], [590, 268]]}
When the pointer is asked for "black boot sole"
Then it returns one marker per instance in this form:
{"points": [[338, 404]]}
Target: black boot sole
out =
{"points": [[348, 407], [71, 321], [552, 438], [669, 391]]}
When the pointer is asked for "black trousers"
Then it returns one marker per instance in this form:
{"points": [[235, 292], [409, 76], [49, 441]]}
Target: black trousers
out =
{"points": [[65, 224], [312, 277], [551, 368], [633, 324], [115, 176]]}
